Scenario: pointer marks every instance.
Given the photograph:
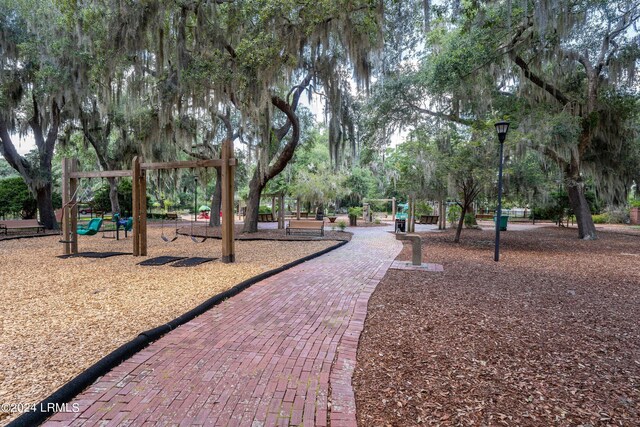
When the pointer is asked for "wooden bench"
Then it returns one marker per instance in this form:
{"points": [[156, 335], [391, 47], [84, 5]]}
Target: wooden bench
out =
{"points": [[171, 216], [266, 217], [485, 217], [429, 219], [305, 226], [20, 224]]}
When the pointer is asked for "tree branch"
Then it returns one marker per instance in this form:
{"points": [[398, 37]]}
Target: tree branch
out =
{"points": [[287, 152], [538, 81], [451, 117]]}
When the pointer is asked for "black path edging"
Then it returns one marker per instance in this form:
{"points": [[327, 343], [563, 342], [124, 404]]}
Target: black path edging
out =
{"points": [[67, 392]]}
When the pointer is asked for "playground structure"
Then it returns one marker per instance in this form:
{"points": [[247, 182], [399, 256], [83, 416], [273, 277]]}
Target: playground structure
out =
{"points": [[71, 175]]}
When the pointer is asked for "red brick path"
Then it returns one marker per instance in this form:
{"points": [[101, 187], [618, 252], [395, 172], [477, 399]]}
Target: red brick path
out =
{"points": [[280, 353]]}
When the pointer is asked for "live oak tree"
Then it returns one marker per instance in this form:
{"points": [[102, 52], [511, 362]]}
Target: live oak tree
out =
{"points": [[253, 57], [39, 79], [563, 71]]}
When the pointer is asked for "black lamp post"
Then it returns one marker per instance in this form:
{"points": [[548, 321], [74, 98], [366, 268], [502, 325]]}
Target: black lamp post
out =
{"points": [[502, 128]]}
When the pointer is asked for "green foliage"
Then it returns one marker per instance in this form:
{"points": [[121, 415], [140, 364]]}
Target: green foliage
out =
{"points": [[423, 208], [453, 213], [361, 183], [355, 211], [470, 220], [634, 203], [16, 199], [264, 210], [600, 218], [342, 224], [102, 202], [6, 171]]}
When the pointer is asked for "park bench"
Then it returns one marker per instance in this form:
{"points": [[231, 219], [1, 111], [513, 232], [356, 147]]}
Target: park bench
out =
{"points": [[486, 217], [171, 216], [429, 219], [308, 226], [266, 217], [21, 224]]}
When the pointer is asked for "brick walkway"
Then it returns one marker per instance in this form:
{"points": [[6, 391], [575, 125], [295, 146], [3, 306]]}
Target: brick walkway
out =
{"points": [[280, 353]]}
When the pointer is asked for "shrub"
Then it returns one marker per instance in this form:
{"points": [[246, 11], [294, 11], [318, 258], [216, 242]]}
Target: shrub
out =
{"points": [[356, 211], [423, 208], [16, 198], [264, 210], [635, 203], [470, 220], [453, 213], [600, 218], [617, 215], [342, 225]]}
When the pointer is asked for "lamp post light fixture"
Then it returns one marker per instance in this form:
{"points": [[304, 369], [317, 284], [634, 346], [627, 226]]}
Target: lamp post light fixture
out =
{"points": [[502, 128]]}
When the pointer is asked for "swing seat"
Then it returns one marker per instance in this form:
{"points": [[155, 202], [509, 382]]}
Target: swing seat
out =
{"points": [[166, 239], [91, 229]]}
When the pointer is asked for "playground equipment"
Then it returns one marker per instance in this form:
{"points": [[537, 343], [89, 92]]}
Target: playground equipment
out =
{"points": [[125, 224], [91, 229], [403, 211], [168, 239], [71, 175]]}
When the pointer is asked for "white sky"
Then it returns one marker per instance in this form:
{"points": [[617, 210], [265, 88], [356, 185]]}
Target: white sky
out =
{"points": [[23, 145]]}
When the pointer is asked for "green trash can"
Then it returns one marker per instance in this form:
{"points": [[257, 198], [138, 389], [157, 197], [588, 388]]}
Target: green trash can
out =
{"points": [[503, 222]]}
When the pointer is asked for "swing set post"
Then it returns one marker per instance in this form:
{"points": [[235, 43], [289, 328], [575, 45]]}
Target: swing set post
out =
{"points": [[69, 206], [228, 172]]}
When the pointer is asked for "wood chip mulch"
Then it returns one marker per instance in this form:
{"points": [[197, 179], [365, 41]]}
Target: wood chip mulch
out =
{"points": [[550, 335]]}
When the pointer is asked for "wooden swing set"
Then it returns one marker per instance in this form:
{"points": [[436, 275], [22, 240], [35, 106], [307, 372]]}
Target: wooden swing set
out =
{"points": [[71, 175]]}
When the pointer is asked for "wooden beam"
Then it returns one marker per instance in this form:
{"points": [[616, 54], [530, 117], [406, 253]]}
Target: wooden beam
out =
{"points": [[142, 196], [228, 244], [135, 184], [66, 211], [212, 163], [73, 215], [101, 174]]}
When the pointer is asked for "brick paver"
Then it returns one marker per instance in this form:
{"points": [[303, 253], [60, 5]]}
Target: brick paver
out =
{"points": [[280, 353]]}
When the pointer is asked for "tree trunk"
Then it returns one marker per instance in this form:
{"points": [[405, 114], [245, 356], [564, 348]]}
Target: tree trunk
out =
{"points": [[580, 207], [36, 176], [216, 202], [460, 224], [261, 177], [253, 205], [45, 207], [113, 196], [442, 221]]}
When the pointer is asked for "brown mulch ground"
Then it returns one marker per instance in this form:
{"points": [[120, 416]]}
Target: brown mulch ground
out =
{"points": [[550, 335]]}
